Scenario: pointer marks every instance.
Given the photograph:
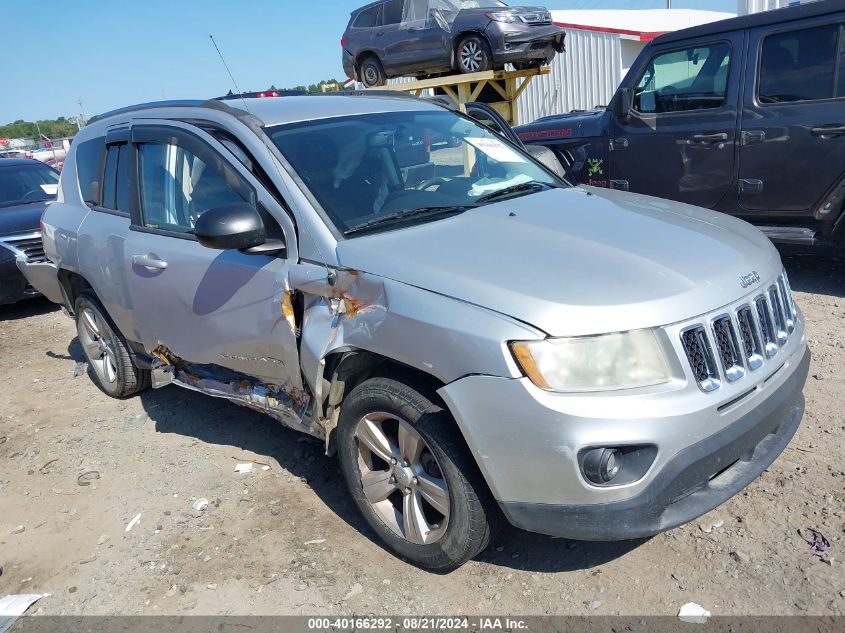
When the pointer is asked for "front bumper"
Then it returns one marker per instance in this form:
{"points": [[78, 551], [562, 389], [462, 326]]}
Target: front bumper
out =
{"points": [[695, 481], [527, 443], [13, 285], [522, 42]]}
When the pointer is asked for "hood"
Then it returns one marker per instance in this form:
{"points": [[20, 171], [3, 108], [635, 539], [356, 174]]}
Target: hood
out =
{"points": [[576, 261], [22, 218], [565, 126]]}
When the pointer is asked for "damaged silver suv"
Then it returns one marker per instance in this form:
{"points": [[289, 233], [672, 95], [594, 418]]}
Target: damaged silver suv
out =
{"points": [[470, 334]]}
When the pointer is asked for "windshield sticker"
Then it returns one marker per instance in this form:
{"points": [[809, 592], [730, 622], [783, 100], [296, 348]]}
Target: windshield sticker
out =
{"points": [[50, 190], [495, 149]]}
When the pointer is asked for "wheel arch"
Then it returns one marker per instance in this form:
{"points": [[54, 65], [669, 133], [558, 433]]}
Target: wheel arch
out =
{"points": [[345, 369], [72, 284], [461, 36], [361, 56]]}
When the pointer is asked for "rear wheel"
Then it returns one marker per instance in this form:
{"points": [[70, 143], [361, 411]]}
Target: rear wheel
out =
{"points": [[109, 362], [372, 72], [411, 475], [473, 55]]}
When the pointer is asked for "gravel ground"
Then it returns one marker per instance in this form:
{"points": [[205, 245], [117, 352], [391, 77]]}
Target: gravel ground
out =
{"points": [[286, 540]]}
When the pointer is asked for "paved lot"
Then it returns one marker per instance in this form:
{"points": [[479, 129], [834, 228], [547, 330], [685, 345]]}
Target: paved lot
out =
{"points": [[286, 540]]}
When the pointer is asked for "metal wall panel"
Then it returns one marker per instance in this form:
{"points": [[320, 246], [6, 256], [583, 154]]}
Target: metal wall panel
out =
{"points": [[585, 76]]}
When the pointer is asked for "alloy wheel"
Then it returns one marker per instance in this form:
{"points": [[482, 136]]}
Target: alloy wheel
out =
{"points": [[471, 55], [401, 478], [99, 350]]}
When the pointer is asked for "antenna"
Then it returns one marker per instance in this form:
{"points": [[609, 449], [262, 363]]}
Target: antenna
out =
{"points": [[330, 275], [226, 66]]}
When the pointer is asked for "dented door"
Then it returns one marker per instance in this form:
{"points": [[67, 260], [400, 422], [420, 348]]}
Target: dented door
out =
{"points": [[204, 307]]}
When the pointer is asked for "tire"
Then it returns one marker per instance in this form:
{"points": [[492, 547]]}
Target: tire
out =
{"points": [[473, 55], [371, 72], [377, 413], [109, 362]]}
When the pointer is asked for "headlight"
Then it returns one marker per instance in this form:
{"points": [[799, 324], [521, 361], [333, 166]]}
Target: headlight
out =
{"points": [[623, 360], [502, 16]]}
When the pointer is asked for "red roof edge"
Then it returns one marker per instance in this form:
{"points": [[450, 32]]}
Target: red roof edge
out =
{"points": [[642, 36]]}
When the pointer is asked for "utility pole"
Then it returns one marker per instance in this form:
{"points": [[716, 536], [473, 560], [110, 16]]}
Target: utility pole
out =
{"points": [[668, 4]]}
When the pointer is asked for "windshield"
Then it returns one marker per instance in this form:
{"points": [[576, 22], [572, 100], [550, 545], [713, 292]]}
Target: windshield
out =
{"points": [[22, 184], [363, 168]]}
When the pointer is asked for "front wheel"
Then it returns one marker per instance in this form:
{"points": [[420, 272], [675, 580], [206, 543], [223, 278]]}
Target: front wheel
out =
{"points": [[474, 55], [412, 476]]}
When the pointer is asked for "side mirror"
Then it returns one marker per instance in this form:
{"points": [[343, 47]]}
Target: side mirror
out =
{"points": [[622, 103], [233, 226]]}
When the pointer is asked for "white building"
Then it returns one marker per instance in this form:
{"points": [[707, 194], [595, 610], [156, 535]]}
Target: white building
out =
{"points": [[601, 46]]}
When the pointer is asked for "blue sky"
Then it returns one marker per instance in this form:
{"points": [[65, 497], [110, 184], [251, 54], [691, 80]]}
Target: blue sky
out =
{"points": [[110, 53]]}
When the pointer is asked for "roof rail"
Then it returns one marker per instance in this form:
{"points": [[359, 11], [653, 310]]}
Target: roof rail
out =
{"points": [[175, 103]]}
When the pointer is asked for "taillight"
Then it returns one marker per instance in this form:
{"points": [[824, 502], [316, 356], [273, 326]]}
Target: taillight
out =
{"points": [[343, 42], [268, 93]]}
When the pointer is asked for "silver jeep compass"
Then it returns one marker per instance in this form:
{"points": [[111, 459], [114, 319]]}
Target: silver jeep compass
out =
{"points": [[470, 334]]}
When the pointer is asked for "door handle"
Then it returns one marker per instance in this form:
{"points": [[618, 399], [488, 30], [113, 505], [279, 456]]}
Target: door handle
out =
{"points": [[828, 130], [710, 138], [149, 261], [379, 33]]}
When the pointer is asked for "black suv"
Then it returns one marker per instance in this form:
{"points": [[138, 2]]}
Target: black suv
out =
{"points": [[744, 116], [392, 38]]}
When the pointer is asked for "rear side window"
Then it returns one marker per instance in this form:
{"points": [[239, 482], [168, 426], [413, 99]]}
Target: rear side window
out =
{"points": [[801, 65], [89, 162], [367, 19], [392, 12], [689, 79], [116, 183]]}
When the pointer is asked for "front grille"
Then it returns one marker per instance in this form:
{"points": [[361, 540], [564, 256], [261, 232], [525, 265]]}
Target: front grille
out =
{"points": [[752, 345], [743, 339], [779, 314], [700, 357], [30, 244], [728, 348], [541, 17]]}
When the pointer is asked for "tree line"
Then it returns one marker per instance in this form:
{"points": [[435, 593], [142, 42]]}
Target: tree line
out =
{"points": [[51, 128], [58, 128]]}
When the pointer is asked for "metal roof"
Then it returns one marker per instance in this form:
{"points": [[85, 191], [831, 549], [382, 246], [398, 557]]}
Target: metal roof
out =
{"points": [[775, 16]]}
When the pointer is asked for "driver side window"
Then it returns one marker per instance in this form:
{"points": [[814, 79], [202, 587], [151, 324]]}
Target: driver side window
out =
{"points": [[177, 186], [689, 79]]}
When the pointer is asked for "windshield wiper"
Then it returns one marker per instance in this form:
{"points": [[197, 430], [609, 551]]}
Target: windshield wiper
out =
{"points": [[420, 212], [530, 186]]}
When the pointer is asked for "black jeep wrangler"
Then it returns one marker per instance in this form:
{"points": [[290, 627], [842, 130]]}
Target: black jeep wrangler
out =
{"points": [[744, 116]]}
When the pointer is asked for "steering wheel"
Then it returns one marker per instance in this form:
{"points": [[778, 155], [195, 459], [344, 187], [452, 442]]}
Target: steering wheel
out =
{"points": [[29, 193], [430, 182]]}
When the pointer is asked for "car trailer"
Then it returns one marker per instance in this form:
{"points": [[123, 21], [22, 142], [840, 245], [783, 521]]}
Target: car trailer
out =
{"points": [[498, 89]]}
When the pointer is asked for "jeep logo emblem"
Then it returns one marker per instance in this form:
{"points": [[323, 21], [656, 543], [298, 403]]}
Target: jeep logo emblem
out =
{"points": [[749, 279]]}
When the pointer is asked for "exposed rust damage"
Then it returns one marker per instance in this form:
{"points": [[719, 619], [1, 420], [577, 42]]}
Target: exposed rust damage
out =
{"points": [[343, 309], [290, 405], [286, 304]]}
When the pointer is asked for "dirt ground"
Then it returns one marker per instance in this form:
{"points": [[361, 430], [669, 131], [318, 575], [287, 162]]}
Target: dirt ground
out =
{"points": [[287, 540]]}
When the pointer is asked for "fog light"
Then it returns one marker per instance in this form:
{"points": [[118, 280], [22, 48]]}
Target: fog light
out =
{"points": [[601, 465]]}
